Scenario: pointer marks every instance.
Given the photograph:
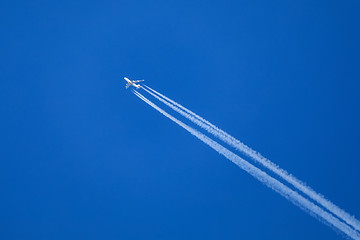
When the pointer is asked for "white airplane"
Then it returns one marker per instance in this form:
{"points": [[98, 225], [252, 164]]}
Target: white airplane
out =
{"points": [[132, 83]]}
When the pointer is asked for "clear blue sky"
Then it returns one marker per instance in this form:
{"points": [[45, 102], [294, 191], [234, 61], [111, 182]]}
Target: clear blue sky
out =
{"points": [[82, 158]]}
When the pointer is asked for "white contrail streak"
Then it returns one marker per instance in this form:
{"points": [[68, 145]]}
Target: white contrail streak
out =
{"points": [[263, 177], [222, 135]]}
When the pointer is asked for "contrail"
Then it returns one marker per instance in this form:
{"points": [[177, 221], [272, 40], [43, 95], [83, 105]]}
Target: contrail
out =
{"points": [[263, 177], [222, 135]]}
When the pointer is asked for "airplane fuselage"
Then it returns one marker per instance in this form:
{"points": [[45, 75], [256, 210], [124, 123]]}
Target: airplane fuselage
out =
{"points": [[131, 83]]}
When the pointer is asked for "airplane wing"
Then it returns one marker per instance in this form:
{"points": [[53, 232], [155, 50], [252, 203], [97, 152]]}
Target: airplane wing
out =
{"points": [[127, 85], [136, 81]]}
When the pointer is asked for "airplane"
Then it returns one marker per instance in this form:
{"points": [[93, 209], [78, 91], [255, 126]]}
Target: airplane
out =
{"points": [[132, 83]]}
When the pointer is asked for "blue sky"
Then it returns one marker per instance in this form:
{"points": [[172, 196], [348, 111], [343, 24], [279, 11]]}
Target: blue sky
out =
{"points": [[82, 158]]}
